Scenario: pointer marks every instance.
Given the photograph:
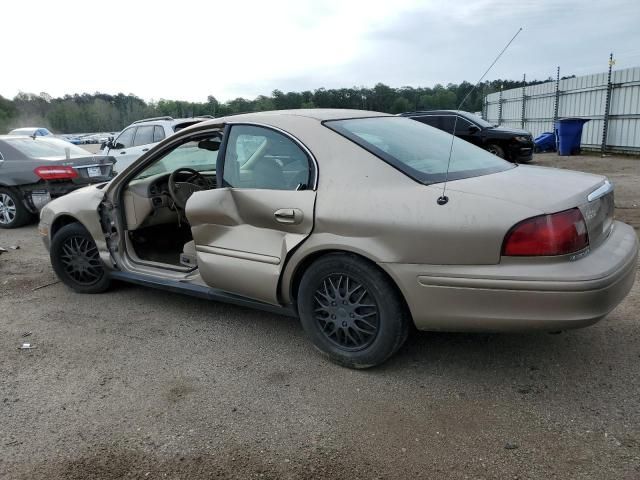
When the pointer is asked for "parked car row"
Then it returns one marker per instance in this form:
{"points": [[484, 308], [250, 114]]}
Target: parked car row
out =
{"points": [[87, 139], [31, 131], [76, 139], [340, 218]]}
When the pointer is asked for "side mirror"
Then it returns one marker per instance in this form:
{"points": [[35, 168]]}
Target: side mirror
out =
{"points": [[212, 145], [473, 129]]}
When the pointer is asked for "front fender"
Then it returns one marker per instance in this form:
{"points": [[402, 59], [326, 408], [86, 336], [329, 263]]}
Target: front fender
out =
{"points": [[81, 205]]}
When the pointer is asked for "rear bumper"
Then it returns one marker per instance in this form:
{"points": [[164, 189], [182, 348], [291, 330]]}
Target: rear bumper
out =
{"points": [[517, 296], [38, 195]]}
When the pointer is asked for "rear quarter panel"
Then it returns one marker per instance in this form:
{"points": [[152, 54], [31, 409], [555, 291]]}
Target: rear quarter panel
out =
{"points": [[18, 172], [367, 207]]}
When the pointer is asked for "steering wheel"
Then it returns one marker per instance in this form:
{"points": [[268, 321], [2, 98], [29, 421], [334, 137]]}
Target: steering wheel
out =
{"points": [[181, 191]]}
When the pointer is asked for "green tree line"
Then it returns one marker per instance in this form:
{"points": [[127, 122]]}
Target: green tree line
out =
{"points": [[99, 112]]}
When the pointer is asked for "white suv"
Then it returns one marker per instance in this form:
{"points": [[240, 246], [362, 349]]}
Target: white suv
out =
{"points": [[143, 134]]}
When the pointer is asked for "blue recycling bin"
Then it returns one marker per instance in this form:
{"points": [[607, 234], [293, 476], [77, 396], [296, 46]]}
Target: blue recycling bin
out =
{"points": [[569, 133], [545, 142]]}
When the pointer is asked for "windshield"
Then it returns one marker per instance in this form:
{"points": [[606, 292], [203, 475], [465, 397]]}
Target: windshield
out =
{"points": [[46, 148], [418, 150], [197, 155]]}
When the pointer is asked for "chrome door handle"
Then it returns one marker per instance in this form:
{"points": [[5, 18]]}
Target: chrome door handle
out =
{"points": [[291, 216]]}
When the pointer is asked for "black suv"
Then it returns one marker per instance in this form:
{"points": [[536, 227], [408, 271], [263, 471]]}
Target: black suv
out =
{"points": [[511, 144]]}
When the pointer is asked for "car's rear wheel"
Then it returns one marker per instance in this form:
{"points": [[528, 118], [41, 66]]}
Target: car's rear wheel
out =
{"points": [[351, 311], [75, 259], [497, 150], [13, 213]]}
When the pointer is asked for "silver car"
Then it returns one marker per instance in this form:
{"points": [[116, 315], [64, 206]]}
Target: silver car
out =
{"points": [[338, 217]]}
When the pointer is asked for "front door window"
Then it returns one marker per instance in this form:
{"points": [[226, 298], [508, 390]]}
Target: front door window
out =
{"points": [[261, 158], [125, 139]]}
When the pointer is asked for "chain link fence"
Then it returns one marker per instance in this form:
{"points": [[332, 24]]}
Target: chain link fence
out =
{"points": [[609, 100]]}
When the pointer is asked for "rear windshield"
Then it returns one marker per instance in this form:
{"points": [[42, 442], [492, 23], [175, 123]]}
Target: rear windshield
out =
{"points": [[418, 150], [49, 148]]}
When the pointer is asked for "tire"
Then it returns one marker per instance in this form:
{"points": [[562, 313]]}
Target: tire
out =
{"points": [[373, 319], [13, 213], [497, 150], [75, 259]]}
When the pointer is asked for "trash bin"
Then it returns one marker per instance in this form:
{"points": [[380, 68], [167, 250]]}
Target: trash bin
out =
{"points": [[545, 142], [569, 133]]}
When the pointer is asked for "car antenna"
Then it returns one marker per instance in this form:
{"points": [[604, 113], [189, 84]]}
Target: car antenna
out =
{"points": [[443, 199]]}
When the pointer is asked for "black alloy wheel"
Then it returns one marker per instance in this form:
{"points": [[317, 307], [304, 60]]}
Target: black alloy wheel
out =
{"points": [[346, 313], [76, 260], [81, 260], [351, 310]]}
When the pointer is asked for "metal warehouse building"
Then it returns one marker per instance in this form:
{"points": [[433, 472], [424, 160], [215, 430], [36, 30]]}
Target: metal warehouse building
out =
{"points": [[535, 108]]}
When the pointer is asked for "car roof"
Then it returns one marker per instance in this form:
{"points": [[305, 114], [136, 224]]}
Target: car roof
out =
{"points": [[17, 135], [319, 114], [167, 120], [27, 129], [434, 112]]}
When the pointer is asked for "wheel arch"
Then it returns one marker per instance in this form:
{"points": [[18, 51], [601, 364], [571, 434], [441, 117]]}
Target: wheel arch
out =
{"points": [[304, 263], [62, 221]]}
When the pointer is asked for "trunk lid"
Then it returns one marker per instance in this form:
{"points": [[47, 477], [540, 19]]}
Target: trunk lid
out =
{"points": [[549, 190], [91, 169]]}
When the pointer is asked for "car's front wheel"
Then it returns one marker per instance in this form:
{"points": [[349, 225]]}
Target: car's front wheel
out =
{"points": [[351, 311], [75, 259], [13, 213], [497, 150]]}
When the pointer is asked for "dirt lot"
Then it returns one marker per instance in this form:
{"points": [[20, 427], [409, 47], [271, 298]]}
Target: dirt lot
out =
{"points": [[138, 383]]}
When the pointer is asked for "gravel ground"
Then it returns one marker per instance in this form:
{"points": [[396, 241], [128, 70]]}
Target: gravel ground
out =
{"points": [[139, 383]]}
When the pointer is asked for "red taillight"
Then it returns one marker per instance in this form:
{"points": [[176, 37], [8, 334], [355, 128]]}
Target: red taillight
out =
{"points": [[556, 234], [56, 173]]}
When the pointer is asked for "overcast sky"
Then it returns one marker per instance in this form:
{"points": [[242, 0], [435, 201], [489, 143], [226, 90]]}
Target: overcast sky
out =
{"points": [[190, 49]]}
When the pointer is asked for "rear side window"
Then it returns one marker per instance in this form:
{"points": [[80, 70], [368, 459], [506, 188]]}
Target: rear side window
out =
{"points": [[158, 134], [419, 151], [144, 136]]}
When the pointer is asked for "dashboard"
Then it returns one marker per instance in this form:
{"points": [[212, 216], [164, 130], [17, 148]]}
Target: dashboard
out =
{"points": [[148, 202]]}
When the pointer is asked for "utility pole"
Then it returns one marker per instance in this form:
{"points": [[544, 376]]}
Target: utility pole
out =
{"points": [[607, 107]]}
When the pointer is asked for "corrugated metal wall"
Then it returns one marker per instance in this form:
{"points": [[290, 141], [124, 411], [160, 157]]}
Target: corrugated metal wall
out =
{"points": [[582, 97]]}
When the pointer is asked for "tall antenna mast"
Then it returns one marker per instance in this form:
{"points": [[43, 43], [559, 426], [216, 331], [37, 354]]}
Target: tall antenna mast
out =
{"points": [[443, 199]]}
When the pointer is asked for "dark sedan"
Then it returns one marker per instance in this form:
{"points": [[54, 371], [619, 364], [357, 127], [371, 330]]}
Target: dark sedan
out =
{"points": [[34, 170], [511, 144]]}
